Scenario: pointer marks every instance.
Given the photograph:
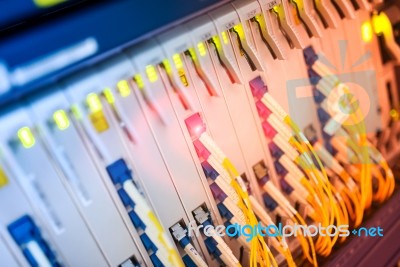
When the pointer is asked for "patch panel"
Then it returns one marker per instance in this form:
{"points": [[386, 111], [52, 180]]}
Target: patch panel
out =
{"points": [[127, 151], [14, 248], [255, 113], [192, 123], [27, 158], [175, 97], [373, 184], [56, 126], [213, 107]]}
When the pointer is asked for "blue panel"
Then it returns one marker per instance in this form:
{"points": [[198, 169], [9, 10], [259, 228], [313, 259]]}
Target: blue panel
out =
{"points": [[18, 11], [111, 24]]}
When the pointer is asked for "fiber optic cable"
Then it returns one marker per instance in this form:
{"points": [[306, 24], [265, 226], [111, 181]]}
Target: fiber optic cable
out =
{"points": [[259, 251], [317, 178], [358, 135]]}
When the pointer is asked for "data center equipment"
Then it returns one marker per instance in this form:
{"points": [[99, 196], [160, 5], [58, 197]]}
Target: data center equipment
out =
{"points": [[211, 133]]}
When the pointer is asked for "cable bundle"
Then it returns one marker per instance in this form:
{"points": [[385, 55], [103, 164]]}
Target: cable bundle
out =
{"points": [[302, 166], [235, 188], [345, 131]]}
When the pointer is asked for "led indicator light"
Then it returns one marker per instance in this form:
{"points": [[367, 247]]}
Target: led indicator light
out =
{"points": [[124, 88], [139, 81], [47, 3], [109, 95], [97, 116], [26, 137], [75, 110], [366, 32], [178, 61], [151, 73], [224, 37], [167, 66], [202, 49], [61, 119], [94, 103]]}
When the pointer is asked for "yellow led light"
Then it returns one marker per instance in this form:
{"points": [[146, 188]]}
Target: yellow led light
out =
{"points": [[76, 112], [139, 81], [47, 3], [26, 137], [3, 178], [94, 103], [178, 61], [61, 119], [202, 49], [151, 73], [366, 32], [167, 66], [123, 88], [109, 95], [224, 37]]}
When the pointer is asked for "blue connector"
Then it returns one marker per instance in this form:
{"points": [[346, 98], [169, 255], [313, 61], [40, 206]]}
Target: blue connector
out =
{"points": [[310, 56], [286, 187], [147, 243], [323, 116], [270, 203], [188, 261], [119, 172], [209, 170], [263, 180], [313, 76], [23, 231], [318, 96], [224, 211], [184, 241], [125, 198], [156, 261], [211, 246], [217, 192], [280, 169], [276, 152], [137, 222], [330, 148]]}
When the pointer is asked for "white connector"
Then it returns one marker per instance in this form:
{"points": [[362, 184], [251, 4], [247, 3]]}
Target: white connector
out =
{"points": [[304, 8], [327, 10], [285, 14]]}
